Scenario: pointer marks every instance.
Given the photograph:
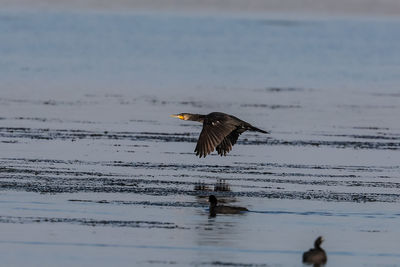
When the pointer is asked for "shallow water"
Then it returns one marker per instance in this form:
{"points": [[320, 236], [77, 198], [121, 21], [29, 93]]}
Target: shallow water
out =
{"points": [[93, 171]]}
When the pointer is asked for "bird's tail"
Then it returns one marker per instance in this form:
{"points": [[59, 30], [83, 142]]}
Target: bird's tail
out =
{"points": [[252, 128]]}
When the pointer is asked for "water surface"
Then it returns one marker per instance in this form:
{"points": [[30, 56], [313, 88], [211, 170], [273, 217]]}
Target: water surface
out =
{"points": [[93, 171]]}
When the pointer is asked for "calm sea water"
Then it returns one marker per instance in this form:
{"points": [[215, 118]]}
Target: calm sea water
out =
{"points": [[93, 171]]}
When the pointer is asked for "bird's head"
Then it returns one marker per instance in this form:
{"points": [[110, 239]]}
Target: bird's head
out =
{"points": [[318, 241], [182, 116], [213, 200]]}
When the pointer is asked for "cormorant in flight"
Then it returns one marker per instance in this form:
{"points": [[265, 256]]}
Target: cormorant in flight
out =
{"points": [[220, 131]]}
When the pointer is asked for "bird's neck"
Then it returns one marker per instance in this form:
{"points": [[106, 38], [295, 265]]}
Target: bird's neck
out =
{"points": [[196, 117], [213, 211], [213, 205]]}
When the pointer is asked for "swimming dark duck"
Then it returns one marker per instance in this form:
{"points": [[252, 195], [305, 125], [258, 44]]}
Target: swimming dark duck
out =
{"points": [[316, 255], [218, 209], [220, 131]]}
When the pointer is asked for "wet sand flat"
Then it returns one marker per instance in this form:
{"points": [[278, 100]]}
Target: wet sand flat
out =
{"points": [[93, 171]]}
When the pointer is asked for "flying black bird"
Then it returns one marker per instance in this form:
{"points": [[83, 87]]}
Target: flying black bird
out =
{"points": [[316, 255], [214, 208], [220, 131]]}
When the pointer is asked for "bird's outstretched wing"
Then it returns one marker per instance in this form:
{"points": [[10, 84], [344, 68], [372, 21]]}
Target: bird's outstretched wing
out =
{"points": [[212, 135], [227, 143]]}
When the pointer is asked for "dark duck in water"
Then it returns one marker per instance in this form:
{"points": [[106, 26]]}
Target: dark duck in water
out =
{"points": [[219, 209], [316, 255]]}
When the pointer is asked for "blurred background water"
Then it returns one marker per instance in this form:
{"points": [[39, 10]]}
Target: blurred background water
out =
{"points": [[169, 51]]}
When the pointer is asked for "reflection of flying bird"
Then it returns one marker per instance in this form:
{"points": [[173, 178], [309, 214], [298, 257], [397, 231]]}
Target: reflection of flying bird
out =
{"points": [[214, 208], [316, 255], [220, 131]]}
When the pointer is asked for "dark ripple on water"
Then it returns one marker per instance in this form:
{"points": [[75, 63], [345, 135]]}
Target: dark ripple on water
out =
{"points": [[385, 143], [90, 222], [59, 176], [32, 178]]}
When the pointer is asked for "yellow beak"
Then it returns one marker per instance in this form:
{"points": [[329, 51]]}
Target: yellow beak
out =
{"points": [[177, 116]]}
